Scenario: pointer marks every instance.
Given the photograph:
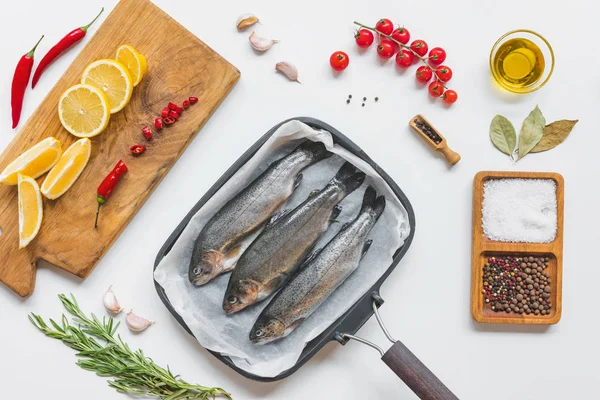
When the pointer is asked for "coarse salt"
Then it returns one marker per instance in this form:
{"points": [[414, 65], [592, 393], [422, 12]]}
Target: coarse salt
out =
{"points": [[520, 210]]}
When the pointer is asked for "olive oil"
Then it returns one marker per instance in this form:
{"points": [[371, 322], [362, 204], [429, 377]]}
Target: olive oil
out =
{"points": [[519, 63]]}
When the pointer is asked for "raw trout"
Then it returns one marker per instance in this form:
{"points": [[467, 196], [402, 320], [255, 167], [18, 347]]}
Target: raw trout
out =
{"points": [[319, 275], [271, 259], [220, 241]]}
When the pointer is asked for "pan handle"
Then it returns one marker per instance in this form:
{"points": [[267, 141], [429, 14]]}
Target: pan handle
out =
{"points": [[415, 374], [405, 364]]}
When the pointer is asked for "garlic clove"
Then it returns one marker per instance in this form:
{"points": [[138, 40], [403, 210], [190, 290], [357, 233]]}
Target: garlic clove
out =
{"points": [[288, 69], [260, 43], [245, 21], [110, 302], [137, 323]]}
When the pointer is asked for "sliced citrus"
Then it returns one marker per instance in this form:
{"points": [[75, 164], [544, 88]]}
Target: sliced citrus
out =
{"points": [[84, 110], [67, 169], [113, 78], [35, 162], [134, 61], [30, 209]]}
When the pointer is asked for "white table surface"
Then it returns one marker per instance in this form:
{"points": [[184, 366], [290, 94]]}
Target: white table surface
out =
{"points": [[427, 296]]}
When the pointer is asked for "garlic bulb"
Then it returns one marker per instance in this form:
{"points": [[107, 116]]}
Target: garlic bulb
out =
{"points": [[288, 69], [260, 43], [137, 323], [246, 20], [110, 302]]}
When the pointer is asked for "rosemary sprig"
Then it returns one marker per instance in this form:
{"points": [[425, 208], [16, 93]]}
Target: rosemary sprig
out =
{"points": [[108, 355]]}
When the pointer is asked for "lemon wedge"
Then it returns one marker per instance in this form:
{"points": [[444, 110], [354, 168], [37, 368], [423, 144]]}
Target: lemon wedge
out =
{"points": [[35, 162], [134, 61], [84, 110], [30, 209], [67, 169], [112, 78]]}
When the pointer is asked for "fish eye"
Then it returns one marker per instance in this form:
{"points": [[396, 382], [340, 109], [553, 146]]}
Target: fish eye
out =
{"points": [[232, 299], [259, 333], [197, 271]]}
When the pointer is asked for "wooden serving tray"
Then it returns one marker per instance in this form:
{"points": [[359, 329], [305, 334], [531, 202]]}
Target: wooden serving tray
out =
{"points": [[484, 248], [179, 65]]}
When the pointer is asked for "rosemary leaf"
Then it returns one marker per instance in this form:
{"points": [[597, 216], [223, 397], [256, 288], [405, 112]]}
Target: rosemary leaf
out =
{"points": [[102, 351]]}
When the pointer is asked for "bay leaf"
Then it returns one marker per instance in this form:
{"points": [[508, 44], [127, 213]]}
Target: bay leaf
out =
{"points": [[503, 135], [531, 132], [554, 134]]}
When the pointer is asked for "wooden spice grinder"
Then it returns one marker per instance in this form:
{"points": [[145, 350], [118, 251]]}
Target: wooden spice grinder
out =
{"points": [[434, 138]]}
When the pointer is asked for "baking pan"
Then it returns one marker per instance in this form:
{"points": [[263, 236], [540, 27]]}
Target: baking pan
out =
{"points": [[400, 360]]}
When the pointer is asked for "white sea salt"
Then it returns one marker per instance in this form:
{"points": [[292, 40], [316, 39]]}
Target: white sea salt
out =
{"points": [[520, 210]]}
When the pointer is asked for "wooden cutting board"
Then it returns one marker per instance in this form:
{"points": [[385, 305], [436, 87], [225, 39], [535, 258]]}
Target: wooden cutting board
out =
{"points": [[179, 65]]}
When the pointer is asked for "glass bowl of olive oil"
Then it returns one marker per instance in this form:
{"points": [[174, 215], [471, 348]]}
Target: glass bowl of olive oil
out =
{"points": [[522, 61]]}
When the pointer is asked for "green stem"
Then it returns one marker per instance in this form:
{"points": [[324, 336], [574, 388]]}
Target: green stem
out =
{"points": [[424, 59], [32, 51], [85, 28]]}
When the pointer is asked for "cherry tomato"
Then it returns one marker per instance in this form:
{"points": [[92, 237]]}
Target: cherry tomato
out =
{"points": [[419, 47], [384, 26], [401, 34], [404, 58], [424, 74], [339, 60], [436, 89], [444, 73], [437, 55], [364, 38], [386, 49], [450, 96]]}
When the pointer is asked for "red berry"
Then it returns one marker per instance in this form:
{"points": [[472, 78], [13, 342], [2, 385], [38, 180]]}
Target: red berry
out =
{"points": [[186, 103], [437, 55], [193, 99], [444, 73], [158, 123], [364, 38], [386, 49], [384, 26], [419, 47], [424, 74], [436, 89], [339, 61], [401, 34], [165, 112], [450, 96], [404, 58]]}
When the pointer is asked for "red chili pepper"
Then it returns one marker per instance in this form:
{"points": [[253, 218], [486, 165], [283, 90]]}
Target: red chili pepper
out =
{"points": [[20, 82], [178, 110], [173, 114], [108, 185], [147, 133], [193, 100], [172, 106], [158, 123], [59, 48], [165, 112], [186, 103], [137, 149], [169, 120]]}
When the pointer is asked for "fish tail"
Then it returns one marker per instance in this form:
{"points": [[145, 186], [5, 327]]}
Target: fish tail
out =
{"points": [[316, 150], [350, 177], [372, 202]]}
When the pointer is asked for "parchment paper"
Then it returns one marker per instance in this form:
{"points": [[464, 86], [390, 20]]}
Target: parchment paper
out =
{"points": [[201, 307]]}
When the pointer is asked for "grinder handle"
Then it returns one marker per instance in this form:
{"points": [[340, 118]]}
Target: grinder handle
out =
{"points": [[415, 374]]}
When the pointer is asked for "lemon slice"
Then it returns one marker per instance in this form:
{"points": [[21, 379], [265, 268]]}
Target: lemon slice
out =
{"points": [[30, 209], [112, 78], [84, 110], [67, 170], [134, 61], [35, 162]]}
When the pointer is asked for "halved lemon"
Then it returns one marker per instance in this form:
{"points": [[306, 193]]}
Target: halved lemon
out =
{"points": [[34, 162], [67, 170], [30, 209], [112, 78], [134, 61], [84, 110]]}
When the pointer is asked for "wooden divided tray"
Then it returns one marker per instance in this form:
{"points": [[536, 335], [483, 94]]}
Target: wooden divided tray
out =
{"points": [[179, 65], [483, 248]]}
